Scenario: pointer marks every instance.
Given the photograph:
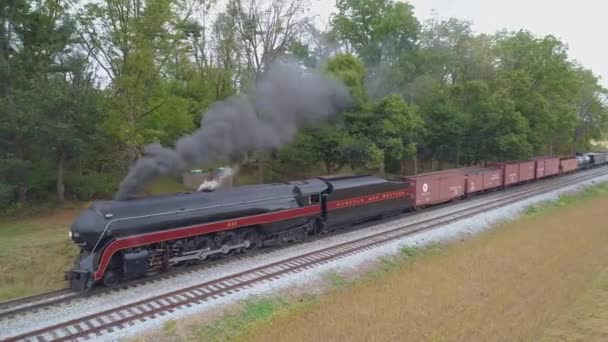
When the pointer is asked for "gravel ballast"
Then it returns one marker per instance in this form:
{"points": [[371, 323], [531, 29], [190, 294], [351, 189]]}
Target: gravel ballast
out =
{"points": [[466, 227]]}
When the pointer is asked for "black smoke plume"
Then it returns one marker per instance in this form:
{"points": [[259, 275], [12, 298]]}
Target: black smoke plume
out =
{"points": [[283, 99]]}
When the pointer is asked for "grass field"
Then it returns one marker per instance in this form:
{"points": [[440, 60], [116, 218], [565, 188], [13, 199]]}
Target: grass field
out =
{"points": [[542, 277], [34, 253]]}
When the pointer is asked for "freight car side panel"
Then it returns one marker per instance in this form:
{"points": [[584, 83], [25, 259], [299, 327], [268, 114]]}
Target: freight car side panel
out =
{"points": [[526, 171], [551, 167], [601, 158], [492, 178], [437, 187], [482, 179], [540, 168], [509, 173], [567, 165], [474, 182], [546, 167]]}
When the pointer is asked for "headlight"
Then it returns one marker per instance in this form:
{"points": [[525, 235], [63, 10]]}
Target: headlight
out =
{"points": [[70, 234]]}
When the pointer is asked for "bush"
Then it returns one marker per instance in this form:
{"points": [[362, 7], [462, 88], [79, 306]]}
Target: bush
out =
{"points": [[92, 185]]}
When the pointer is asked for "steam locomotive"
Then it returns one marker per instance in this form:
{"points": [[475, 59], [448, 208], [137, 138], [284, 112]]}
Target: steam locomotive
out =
{"points": [[122, 240]]}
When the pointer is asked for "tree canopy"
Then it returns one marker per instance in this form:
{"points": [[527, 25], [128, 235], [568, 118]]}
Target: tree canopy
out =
{"points": [[85, 85]]}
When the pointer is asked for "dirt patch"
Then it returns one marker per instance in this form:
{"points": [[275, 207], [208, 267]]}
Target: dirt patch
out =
{"points": [[512, 283]]}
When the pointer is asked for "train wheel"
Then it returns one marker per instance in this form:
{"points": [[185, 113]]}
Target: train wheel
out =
{"points": [[226, 239], [111, 278], [205, 242], [250, 236]]}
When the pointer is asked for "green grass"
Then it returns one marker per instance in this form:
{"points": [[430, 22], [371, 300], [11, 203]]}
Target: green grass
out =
{"points": [[568, 199], [231, 326], [335, 280], [170, 328], [34, 254]]}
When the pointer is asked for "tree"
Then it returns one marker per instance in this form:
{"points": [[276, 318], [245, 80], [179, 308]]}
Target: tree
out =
{"points": [[538, 74], [350, 70], [392, 126], [451, 53], [266, 28], [36, 51], [134, 43], [446, 125], [72, 112], [379, 31], [591, 108]]}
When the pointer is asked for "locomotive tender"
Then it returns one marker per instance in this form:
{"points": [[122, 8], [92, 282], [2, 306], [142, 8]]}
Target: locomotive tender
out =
{"points": [[122, 240]]}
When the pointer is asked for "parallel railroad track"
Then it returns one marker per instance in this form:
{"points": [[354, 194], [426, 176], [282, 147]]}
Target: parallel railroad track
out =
{"points": [[109, 321], [30, 304]]}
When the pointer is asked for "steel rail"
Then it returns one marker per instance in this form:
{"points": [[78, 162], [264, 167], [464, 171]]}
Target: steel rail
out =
{"points": [[126, 315]]}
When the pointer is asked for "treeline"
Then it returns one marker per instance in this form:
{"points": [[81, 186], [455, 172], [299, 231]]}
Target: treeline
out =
{"points": [[84, 85]]}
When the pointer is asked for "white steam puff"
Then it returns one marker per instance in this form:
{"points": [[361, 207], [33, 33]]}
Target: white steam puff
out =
{"points": [[217, 181], [285, 98]]}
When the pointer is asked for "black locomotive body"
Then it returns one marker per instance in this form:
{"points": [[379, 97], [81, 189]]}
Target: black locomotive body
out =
{"points": [[126, 239]]}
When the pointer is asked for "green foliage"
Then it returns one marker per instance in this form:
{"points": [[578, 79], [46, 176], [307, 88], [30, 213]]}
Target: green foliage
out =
{"points": [[350, 70], [7, 194], [232, 325], [82, 91], [336, 280], [380, 31], [91, 185]]}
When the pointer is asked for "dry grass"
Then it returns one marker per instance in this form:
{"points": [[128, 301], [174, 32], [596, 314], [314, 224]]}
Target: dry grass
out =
{"points": [[586, 319], [34, 253], [513, 283]]}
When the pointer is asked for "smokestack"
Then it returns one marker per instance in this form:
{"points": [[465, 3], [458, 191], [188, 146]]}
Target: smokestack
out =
{"points": [[284, 99]]}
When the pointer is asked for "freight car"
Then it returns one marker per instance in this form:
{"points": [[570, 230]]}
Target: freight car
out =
{"points": [[436, 187], [482, 179], [516, 172], [545, 167], [597, 158], [122, 240], [510, 172], [568, 164]]}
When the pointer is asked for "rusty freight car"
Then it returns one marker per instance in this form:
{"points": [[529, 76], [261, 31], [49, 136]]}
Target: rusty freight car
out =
{"points": [[546, 167], [510, 172], [526, 171], [482, 179], [436, 187], [568, 164]]}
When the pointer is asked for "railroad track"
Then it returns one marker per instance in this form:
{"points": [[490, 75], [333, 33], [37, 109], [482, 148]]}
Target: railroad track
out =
{"points": [[108, 321], [27, 305], [32, 301], [30, 304]]}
